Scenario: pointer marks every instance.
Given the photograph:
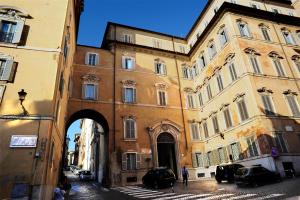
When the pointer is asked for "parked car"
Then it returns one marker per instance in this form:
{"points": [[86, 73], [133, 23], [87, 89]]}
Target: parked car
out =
{"points": [[159, 177], [226, 172], [255, 175], [85, 175]]}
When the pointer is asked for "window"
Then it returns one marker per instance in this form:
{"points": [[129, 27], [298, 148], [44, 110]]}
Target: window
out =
{"points": [[235, 151], [7, 31], [215, 124], [128, 63], [195, 131], [293, 104], [129, 129], [90, 91], [127, 38], [187, 72], [190, 101], [280, 142], [265, 33], [157, 43], [199, 160], [278, 67], [181, 49], [242, 109], [254, 63], [160, 68], [205, 129], [131, 161], [244, 30], [202, 61], [227, 118], [220, 82], [200, 99], [223, 37], [162, 98], [210, 158], [209, 94], [212, 50], [252, 148], [288, 37], [92, 59], [2, 89], [195, 70], [129, 95], [297, 64], [221, 155], [232, 70], [268, 105], [7, 69]]}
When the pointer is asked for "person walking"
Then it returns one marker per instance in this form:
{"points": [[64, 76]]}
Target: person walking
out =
{"points": [[185, 175]]}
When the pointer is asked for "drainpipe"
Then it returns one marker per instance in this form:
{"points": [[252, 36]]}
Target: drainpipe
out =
{"points": [[181, 104]]}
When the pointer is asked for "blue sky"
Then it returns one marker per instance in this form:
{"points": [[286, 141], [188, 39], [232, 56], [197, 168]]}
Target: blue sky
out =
{"points": [[174, 17]]}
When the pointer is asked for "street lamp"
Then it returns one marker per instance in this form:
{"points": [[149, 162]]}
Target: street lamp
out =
{"points": [[22, 94]]}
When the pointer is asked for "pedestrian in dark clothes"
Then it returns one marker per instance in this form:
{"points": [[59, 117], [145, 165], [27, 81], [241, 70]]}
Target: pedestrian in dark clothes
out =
{"points": [[185, 175]]}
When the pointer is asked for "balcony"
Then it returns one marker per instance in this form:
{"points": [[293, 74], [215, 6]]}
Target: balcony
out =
{"points": [[6, 37]]}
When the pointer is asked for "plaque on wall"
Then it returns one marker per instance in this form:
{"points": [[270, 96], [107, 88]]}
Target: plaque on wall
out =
{"points": [[18, 141]]}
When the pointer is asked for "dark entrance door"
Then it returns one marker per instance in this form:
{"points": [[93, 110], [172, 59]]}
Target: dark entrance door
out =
{"points": [[166, 152]]}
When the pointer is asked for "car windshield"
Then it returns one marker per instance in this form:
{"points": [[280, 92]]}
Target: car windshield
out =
{"points": [[242, 171]]}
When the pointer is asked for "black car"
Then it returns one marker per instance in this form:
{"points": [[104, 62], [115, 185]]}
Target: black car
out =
{"points": [[255, 175], [160, 177], [226, 172]]}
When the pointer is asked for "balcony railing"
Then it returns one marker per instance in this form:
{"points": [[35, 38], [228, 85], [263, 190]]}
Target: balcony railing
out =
{"points": [[6, 37]]}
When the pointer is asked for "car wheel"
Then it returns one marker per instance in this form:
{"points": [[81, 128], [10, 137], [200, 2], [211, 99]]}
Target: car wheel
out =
{"points": [[219, 180], [254, 184]]}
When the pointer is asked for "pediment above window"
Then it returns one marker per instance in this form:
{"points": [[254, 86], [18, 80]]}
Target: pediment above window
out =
{"points": [[128, 83], [13, 12], [92, 78], [239, 96], [274, 54], [290, 92], [229, 57], [296, 57], [264, 90], [224, 105], [188, 90], [250, 50], [161, 86]]}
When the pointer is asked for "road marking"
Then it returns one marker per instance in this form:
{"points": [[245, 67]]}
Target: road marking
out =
{"points": [[216, 197], [268, 196], [177, 196], [139, 193], [194, 196], [241, 197], [155, 196]]}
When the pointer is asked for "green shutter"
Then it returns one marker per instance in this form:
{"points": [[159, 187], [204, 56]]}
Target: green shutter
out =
{"points": [[124, 161], [194, 160], [138, 161]]}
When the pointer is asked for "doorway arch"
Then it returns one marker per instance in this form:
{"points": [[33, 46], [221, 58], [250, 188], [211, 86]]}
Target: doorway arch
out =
{"points": [[102, 141]]}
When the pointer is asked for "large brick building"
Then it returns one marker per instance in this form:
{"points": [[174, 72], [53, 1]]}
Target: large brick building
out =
{"points": [[227, 92]]}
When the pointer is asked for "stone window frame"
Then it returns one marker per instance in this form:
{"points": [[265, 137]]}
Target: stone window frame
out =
{"points": [[127, 38], [90, 79], [224, 30], [225, 107], [125, 161], [8, 68], [241, 31], [253, 54], [265, 35], [296, 59], [229, 62], [267, 92], [187, 72], [287, 35], [195, 159], [134, 119], [237, 99], [189, 92], [129, 84], [163, 67], [126, 56], [197, 124], [210, 47], [88, 60], [294, 96], [275, 57], [17, 16], [215, 122], [202, 57], [161, 87]]}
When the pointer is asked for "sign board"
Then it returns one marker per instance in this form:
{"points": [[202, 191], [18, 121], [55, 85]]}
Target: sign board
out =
{"points": [[18, 141]]}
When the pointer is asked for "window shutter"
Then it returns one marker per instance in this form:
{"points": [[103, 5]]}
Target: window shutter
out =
{"points": [[165, 69], [138, 161], [124, 161], [97, 59], [123, 94], [83, 91], [229, 150], [96, 92], [134, 95], [87, 56], [18, 32], [194, 159], [205, 159], [7, 70], [13, 72], [123, 62], [133, 63]]}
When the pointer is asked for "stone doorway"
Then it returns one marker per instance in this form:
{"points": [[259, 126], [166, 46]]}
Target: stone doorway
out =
{"points": [[166, 152]]}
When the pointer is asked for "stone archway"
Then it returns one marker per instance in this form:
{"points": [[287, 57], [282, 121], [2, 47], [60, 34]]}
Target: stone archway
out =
{"points": [[161, 128]]}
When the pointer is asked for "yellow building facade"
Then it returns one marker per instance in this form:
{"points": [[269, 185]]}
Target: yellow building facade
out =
{"points": [[227, 92], [34, 60]]}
